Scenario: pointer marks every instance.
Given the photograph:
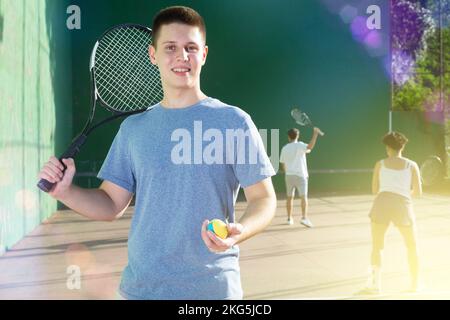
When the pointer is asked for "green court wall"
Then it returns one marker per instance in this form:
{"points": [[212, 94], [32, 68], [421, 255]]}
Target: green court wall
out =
{"points": [[265, 56], [35, 103]]}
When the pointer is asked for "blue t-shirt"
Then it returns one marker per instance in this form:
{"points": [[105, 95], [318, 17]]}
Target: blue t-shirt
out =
{"points": [[184, 169]]}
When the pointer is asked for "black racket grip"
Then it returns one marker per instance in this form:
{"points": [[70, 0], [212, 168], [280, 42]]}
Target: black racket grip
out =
{"points": [[71, 152]]}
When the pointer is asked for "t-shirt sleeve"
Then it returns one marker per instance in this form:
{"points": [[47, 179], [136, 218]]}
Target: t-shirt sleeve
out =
{"points": [[251, 164], [117, 167], [303, 146]]}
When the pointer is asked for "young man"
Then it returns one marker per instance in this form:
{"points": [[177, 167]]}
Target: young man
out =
{"points": [[171, 255], [293, 164]]}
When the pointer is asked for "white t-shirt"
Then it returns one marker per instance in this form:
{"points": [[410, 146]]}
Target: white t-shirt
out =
{"points": [[293, 155]]}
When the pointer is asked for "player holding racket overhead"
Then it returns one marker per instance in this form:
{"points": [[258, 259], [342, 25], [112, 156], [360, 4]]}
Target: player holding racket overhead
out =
{"points": [[293, 164], [171, 255]]}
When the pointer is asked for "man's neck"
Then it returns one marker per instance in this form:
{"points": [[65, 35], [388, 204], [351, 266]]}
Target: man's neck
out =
{"points": [[395, 154], [178, 99]]}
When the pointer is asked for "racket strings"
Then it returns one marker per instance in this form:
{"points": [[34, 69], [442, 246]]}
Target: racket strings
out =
{"points": [[125, 69], [300, 117], [125, 78], [130, 71], [105, 78]]}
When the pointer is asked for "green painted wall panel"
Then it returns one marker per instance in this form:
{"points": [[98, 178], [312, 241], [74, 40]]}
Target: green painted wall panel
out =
{"points": [[11, 121], [34, 50], [265, 57]]}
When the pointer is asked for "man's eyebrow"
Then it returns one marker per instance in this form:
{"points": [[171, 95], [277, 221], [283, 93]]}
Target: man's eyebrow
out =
{"points": [[190, 42]]}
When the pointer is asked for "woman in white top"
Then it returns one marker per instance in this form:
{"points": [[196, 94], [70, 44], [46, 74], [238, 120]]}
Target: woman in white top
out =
{"points": [[395, 180]]}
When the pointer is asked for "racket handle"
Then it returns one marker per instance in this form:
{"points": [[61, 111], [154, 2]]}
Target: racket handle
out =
{"points": [[45, 185], [319, 132], [71, 152]]}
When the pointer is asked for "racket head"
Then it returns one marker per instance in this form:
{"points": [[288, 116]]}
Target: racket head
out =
{"points": [[300, 117], [432, 171], [124, 79]]}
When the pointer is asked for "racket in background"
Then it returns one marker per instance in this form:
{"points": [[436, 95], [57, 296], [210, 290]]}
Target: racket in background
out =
{"points": [[123, 80], [432, 171], [302, 119]]}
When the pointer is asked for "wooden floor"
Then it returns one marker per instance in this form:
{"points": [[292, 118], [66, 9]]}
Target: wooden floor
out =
{"points": [[284, 262]]}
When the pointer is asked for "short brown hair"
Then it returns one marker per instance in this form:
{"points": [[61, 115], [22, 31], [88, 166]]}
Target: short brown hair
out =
{"points": [[395, 140], [177, 14], [293, 133]]}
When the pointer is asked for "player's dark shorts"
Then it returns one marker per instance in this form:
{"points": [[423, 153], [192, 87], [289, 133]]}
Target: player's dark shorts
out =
{"points": [[391, 207]]}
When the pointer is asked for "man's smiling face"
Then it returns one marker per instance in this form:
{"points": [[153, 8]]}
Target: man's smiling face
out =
{"points": [[180, 54]]}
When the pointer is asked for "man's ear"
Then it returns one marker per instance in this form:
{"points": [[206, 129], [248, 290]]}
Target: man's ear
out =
{"points": [[205, 54], [151, 53]]}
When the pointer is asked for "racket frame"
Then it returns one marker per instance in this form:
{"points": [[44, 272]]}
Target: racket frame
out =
{"points": [[80, 139], [303, 114]]}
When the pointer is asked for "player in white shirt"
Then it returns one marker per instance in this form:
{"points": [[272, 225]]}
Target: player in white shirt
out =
{"points": [[293, 164], [395, 181]]}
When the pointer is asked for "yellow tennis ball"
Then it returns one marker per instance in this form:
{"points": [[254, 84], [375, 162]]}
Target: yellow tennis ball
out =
{"points": [[218, 227]]}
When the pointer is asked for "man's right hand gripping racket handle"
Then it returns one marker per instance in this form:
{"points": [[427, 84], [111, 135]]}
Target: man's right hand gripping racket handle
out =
{"points": [[74, 148]]}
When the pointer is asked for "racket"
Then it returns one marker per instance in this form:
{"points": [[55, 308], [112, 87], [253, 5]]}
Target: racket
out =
{"points": [[432, 171], [301, 118], [123, 80]]}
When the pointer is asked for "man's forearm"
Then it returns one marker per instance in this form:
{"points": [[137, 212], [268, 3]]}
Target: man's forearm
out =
{"points": [[94, 204], [313, 141], [257, 216]]}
